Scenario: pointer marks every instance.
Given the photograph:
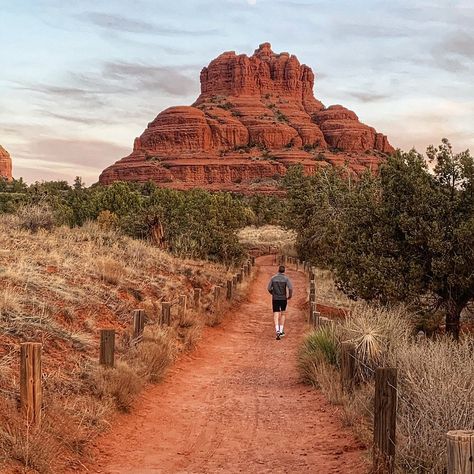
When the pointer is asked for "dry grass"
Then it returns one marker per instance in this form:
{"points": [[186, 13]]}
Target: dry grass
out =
{"points": [[268, 236], [120, 384], [58, 287], [327, 292], [436, 383], [155, 353]]}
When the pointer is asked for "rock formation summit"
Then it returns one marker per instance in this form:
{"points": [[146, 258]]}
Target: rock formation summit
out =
{"points": [[255, 117], [5, 164]]}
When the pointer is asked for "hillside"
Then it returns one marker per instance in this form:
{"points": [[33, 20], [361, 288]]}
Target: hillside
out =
{"points": [[60, 288], [255, 117]]}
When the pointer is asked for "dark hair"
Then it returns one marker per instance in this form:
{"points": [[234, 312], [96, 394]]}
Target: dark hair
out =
{"points": [[281, 269]]}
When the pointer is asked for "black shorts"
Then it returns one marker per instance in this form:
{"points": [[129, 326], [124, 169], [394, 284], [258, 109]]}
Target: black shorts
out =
{"points": [[279, 305]]}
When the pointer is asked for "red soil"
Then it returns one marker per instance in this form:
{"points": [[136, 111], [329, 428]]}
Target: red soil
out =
{"points": [[235, 405]]}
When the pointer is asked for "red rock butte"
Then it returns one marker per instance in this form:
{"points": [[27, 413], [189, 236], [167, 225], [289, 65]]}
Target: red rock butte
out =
{"points": [[5, 164], [256, 116]]}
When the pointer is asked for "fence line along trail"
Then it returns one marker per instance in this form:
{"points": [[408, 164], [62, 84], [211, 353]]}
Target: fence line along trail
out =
{"points": [[235, 404]]}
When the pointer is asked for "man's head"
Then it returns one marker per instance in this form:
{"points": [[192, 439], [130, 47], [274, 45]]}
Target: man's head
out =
{"points": [[281, 269]]}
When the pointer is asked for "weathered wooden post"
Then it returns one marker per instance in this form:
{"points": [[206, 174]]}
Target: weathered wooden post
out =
{"points": [[348, 367], [138, 324], [242, 273], [217, 296], [312, 310], [197, 298], [253, 260], [304, 266], [385, 420], [230, 289], [31, 393], [312, 291], [239, 277], [235, 280], [316, 316], [107, 347], [183, 303], [460, 452], [166, 314]]}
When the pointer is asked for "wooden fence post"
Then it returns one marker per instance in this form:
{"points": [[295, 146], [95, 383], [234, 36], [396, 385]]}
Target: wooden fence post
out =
{"points": [[312, 291], [217, 296], [252, 258], [197, 298], [107, 347], [166, 314], [385, 420], [183, 303], [348, 367], [30, 382], [138, 324], [239, 277], [230, 289], [460, 452], [312, 310], [316, 316]]}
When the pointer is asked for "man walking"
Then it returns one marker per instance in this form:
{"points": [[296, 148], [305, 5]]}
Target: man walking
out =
{"points": [[281, 289]]}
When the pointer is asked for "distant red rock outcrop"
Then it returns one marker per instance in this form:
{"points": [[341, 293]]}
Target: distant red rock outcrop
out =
{"points": [[5, 164], [255, 117]]}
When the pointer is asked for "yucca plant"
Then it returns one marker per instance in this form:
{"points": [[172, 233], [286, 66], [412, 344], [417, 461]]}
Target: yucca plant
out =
{"points": [[374, 331]]}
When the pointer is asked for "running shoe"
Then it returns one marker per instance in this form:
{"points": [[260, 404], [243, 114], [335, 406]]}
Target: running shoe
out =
{"points": [[282, 334], [278, 336]]}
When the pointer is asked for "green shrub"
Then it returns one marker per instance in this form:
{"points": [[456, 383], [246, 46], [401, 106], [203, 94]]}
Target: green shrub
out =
{"points": [[322, 342]]}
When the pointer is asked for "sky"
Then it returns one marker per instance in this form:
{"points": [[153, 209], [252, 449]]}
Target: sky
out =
{"points": [[80, 80]]}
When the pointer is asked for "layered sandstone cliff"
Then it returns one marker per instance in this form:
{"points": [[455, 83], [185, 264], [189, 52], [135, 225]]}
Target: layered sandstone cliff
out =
{"points": [[255, 117], [5, 164]]}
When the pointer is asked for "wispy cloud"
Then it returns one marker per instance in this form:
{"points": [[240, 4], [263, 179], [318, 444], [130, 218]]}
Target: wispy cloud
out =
{"points": [[119, 23], [366, 96], [169, 80]]}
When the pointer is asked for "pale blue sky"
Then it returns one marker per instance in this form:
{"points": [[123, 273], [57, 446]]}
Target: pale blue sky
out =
{"points": [[79, 81]]}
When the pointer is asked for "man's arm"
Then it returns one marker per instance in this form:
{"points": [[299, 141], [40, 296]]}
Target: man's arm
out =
{"points": [[270, 286], [289, 285]]}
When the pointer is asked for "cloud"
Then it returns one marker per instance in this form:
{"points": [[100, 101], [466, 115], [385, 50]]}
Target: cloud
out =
{"points": [[118, 23], [141, 77], [368, 96], [455, 52], [61, 158], [252, 2]]}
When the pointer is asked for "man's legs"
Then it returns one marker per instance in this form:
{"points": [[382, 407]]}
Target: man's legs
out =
{"points": [[276, 319], [282, 321]]}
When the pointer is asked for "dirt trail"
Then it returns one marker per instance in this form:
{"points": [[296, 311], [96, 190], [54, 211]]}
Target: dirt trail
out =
{"points": [[235, 405]]}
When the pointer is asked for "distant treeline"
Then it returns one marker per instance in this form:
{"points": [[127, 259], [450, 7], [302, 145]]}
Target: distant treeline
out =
{"points": [[193, 224]]}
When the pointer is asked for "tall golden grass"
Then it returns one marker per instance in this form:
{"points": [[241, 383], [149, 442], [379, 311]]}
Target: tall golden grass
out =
{"points": [[268, 236]]}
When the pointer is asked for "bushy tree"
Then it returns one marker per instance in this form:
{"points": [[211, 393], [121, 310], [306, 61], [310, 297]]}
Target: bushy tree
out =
{"points": [[405, 234]]}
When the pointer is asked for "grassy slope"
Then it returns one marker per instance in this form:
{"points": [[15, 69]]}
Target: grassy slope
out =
{"points": [[60, 288]]}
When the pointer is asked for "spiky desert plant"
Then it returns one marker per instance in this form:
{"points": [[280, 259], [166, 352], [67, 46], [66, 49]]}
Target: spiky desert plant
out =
{"points": [[375, 332]]}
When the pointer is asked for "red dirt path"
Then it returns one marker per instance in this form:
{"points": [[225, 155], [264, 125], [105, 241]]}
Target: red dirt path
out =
{"points": [[235, 405]]}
